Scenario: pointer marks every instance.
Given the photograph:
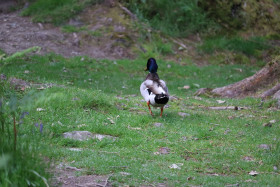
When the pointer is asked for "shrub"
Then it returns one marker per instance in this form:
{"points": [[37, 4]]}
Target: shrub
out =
{"points": [[176, 18]]}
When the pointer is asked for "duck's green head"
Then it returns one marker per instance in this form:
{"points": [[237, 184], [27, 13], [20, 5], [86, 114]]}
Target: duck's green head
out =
{"points": [[152, 65]]}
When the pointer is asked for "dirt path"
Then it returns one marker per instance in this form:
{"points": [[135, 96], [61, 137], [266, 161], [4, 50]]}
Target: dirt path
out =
{"points": [[18, 33]]}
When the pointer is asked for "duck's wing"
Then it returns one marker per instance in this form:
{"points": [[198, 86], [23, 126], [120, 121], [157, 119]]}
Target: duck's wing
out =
{"points": [[146, 92], [154, 86], [164, 87]]}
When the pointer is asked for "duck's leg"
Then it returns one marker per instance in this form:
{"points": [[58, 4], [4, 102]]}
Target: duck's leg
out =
{"points": [[161, 111], [148, 103]]}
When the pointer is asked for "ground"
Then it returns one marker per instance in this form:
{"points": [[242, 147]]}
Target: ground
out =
{"points": [[19, 33]]}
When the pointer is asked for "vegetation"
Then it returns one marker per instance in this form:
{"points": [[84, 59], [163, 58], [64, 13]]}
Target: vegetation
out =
{"points": [[211, 147], [56, 12], [20, 160]]}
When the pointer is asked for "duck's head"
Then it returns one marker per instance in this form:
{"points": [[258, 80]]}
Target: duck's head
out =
{"points": [[152, 65]]}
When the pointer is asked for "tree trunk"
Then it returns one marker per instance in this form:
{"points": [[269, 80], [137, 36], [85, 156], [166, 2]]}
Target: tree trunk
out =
{"points": [[266, 79]]}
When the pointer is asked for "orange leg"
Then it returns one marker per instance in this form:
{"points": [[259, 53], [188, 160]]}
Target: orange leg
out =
{"points": [[148, 103], [161, 110]]}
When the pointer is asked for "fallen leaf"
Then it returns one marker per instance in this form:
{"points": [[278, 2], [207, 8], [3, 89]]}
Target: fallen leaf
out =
{"points": [[182, 114], [248, 158], [175, 166], [111, 121], [197, 85], [253, 173], [125, 173], [134, 128], [186, 87], [158, 124], [164, 150], [221, 101], [250, 180]]}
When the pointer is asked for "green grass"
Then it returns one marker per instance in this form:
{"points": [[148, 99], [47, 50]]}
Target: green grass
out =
{"points": [[250, 47], [55, 11], [209, 145]]}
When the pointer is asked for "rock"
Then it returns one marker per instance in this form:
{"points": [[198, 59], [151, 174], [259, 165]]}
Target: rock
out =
{"points": [[85, 135], [78, 135], [182, 114]]}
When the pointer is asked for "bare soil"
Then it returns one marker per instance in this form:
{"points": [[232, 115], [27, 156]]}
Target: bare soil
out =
{"points": [[104, 36]]}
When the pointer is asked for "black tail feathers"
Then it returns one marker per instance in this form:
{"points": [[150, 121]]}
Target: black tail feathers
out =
{"points": [[161, 98]]}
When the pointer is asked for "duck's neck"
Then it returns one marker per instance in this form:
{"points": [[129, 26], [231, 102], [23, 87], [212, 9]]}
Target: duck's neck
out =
{"points": [[153, 76]]}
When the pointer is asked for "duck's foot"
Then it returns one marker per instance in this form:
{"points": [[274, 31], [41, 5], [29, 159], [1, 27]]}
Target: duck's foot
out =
{"points": [[148, 103], [161, 111]]}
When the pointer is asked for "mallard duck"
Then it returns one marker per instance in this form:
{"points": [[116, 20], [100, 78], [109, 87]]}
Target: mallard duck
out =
{"points": [[154, 90]]}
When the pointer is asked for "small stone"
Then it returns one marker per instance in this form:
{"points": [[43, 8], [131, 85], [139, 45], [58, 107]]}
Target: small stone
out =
{"points": [[275, 168], [264, 146], [267, 125], [158, 124], [182, 114]]}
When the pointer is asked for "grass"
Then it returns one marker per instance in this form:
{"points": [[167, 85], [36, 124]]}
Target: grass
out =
{"points": [[56, 11], [211, 147], [250, 47]]}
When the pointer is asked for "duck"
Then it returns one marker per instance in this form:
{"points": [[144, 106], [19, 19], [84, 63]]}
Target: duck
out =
{"points": [[153, 89]]}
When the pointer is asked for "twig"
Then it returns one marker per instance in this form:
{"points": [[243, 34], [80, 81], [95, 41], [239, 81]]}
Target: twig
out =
{"points": [[118, 166], [128, 12], [106, 182], [221, 107]]}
